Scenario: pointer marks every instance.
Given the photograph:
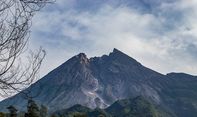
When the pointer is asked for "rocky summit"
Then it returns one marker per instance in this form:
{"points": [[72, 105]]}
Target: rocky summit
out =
{"points": [[100, 81]]}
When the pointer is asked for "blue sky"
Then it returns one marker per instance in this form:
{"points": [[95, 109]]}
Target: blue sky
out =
{"points": [[161, 34]]}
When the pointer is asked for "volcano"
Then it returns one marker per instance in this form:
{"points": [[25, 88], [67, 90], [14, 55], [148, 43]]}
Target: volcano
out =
{"points": [[100, 81]]}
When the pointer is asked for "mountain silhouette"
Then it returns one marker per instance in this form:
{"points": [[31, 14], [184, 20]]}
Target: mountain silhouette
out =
{"points": [[100, 81]]}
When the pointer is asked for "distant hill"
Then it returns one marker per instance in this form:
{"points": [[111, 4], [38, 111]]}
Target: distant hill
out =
{"points": [[100, 81], [137, 107]]}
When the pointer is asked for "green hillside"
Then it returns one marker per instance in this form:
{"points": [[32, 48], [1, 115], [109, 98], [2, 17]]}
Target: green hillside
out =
{"points": [[136, 107]]}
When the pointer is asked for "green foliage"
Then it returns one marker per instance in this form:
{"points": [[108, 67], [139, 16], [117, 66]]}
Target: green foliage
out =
{"points": [[101, 116], [137, 107], [53, 115], [98, 113], [33, 109], [13, 111], [79, 115], [43, 111], [77, 109], [2, 114]]}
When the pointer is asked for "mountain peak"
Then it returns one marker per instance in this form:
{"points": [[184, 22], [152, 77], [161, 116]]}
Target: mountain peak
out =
{"points": [[82, 57], [116, 51], [100, 81], [122, 57]]}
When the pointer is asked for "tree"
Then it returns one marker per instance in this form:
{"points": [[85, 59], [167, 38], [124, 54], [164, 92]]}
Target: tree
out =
{"points": [[53, 115], [15, 23], [13, 111], [43, 111], [79, 115], [101, 116], [33, 109], [2, 114]]}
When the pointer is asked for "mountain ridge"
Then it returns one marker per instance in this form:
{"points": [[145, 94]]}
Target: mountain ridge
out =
{"points": [[100, 81], [138, 107]]}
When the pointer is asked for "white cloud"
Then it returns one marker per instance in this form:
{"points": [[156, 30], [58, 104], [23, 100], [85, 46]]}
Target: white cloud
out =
{"points": [[159, 39]]}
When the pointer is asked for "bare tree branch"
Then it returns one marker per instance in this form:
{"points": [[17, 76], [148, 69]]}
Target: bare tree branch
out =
{"points": [[15, 23]]}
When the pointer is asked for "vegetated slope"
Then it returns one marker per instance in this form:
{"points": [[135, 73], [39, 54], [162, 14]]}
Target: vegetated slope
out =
{"points": [[136, 107]]}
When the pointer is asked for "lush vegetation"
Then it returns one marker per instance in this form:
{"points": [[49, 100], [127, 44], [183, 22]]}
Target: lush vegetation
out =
{"points": [[33, 110], [136, 107]]}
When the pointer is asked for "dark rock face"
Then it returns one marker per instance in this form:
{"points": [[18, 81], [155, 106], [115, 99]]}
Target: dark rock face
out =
{"points": [[120, 76], [100, 81]]}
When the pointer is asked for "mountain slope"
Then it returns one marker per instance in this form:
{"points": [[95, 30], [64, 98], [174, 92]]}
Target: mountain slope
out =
{"points": [[136, 107], [100, 81]]}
